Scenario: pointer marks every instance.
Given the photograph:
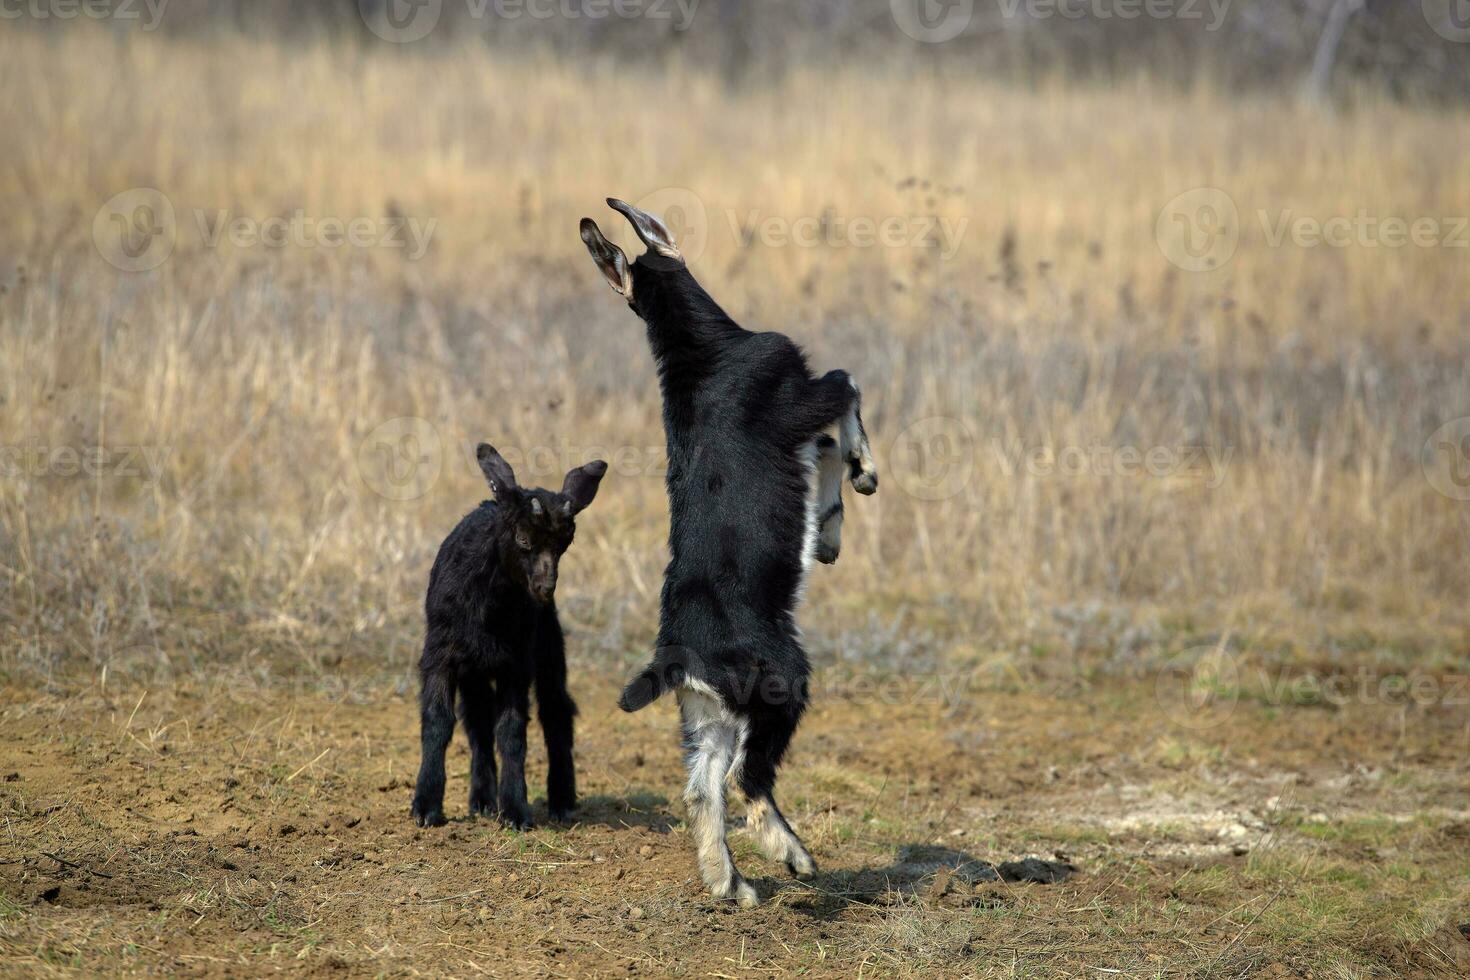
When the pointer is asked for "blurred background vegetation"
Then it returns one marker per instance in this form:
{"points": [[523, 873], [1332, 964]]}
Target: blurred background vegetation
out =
{"points": [[1048, 317], [1404, 49]]}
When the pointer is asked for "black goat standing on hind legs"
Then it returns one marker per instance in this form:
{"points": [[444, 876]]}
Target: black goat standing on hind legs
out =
{"points": [[492, 633], [755, 493]]}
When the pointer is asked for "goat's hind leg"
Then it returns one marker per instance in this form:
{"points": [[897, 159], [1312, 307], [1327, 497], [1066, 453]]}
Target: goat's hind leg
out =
{"points": [[769, 737], [713, 744], [775, 837], [436, 702], [477, 699]]}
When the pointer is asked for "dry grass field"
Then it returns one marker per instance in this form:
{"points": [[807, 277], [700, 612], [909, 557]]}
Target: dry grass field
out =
{"points": [[1166, 581]]}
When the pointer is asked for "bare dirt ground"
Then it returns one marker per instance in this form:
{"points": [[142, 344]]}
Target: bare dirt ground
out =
{"points": [[231, 828]]}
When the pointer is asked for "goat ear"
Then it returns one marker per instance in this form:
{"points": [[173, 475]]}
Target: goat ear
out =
{"points": [[655, 233], [497, 471], [609, 258], [581, 485]]}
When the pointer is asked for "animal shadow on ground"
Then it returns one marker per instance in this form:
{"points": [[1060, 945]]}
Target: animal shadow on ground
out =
{"points": [[648, 811], [927, 871]]}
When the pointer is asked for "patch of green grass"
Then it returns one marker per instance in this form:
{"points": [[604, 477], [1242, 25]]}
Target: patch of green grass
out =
{"points": [[840, 782], [1350, 877], [1064, 834], [1173, 752], [1333, 904], [64, 958], [1370, 830], [9, 909], [1206, 884]]}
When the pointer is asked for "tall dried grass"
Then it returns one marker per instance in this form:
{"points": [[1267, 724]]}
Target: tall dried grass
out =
{"points": [[1314, 374]]}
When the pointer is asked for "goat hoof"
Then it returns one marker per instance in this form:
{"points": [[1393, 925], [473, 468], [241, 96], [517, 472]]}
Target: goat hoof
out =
{"points": [[482, 808], [743, 894], [802, 867], [517, 818], [428, 816], [865, 483], [826, 554], [562, 814]]}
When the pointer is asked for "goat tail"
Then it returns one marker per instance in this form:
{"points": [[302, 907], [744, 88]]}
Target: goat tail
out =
{"points": [[664, 672], [641, 691]]}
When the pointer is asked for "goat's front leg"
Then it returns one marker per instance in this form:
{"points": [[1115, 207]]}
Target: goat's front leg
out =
{"points": [[512, 701], [829, 500], [835, 398], [556, 709], [852, 441]]}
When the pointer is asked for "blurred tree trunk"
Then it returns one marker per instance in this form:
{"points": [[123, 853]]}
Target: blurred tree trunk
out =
{"points": [[1337, 20]]}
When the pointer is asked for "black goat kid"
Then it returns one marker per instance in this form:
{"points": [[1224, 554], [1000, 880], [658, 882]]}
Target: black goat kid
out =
{"points": [[755, 493], [492, 632]]}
